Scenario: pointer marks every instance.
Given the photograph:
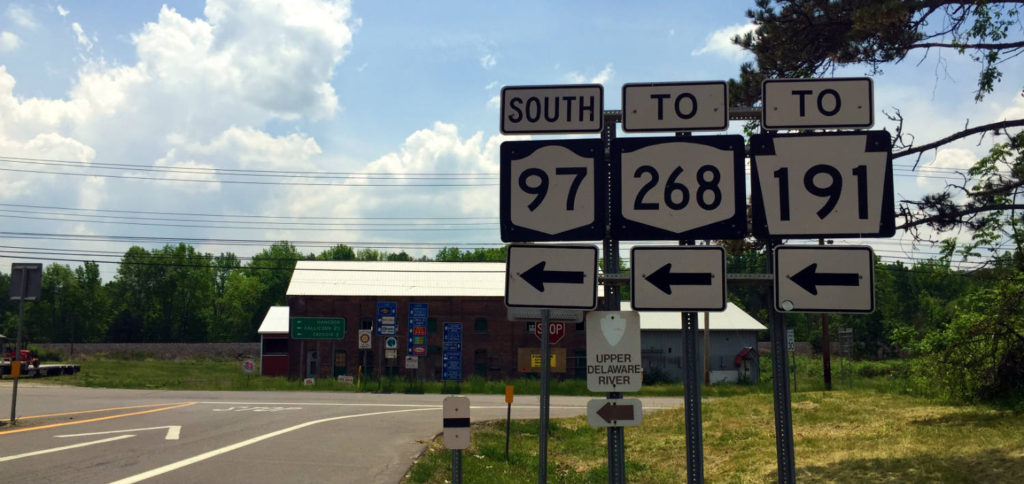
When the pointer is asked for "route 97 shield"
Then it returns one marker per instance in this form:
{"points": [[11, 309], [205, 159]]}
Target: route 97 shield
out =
{"points": [[552, 190], [678, 188]]}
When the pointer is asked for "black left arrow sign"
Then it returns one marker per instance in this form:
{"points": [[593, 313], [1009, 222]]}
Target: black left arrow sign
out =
{"points": [[664, 278], [809, 278], [612, 412], [536, 276]]}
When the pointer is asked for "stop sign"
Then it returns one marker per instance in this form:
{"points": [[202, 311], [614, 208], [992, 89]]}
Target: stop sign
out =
{"points": [[556, 331]]}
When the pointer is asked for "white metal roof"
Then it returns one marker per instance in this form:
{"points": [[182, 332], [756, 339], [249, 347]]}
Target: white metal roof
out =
{"points": [[732, 319], [361, 278], [276, 321]]}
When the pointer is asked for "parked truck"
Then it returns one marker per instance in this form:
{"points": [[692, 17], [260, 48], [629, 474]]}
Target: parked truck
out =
{"points": [[29, 363]]}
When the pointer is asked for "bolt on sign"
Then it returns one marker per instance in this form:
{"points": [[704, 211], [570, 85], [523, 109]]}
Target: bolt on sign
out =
{"points": [[613, 351]]}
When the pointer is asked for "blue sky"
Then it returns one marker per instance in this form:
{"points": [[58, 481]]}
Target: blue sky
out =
{"points": [[141, 95]]}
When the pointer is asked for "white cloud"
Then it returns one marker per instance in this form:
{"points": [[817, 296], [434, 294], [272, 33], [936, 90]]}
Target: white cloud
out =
{"points": [[671, 32], [439, 149], [22, 16], [62, 11], [945, 159], [600, 78], [488, 61], [9, 41], [1014, 111], [80, 36], [720, 43], [200, 96], [255, 149], [491, 85], [494, 103]]}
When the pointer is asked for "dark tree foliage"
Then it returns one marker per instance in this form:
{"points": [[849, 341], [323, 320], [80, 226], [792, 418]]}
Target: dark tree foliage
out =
{"points": [[963, 325]]}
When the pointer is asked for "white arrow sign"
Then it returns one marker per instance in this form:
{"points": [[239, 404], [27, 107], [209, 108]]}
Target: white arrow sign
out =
{"points": [[173, 431], [551, 276], [824, 279], [674, 278]]}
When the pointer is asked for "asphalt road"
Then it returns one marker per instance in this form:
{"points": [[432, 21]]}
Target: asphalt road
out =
{"points": [[84, 435]]}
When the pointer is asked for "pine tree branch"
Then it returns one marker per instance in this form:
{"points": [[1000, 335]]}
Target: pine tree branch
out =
{"points": [[1012, 123], [958, 214]]}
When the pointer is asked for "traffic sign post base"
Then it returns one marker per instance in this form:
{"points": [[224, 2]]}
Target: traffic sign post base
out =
{"points": [[691, 388]]}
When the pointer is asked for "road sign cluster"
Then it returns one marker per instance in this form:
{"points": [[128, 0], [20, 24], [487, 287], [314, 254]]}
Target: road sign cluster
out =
{"points": [[803, 186], [836, 184]]}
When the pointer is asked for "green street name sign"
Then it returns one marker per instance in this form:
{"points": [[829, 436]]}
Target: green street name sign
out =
{"points": [[318, 328]]}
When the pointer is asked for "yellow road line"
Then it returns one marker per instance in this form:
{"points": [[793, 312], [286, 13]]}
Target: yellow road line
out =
{"points": [[97, 419], [91, 411]]}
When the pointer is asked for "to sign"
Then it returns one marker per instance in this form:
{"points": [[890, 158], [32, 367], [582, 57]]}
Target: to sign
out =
{"points": [[675, 106], [678, 278], [455, 411], [613, 351], [552, 109], [824, 279], [817, 103], [614, 412], [551, 276], [678, 188], [550, 190], [823, 185], [556, 331]]}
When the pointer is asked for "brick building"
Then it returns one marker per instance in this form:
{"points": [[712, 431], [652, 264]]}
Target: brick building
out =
{"points": [[471, 293]]}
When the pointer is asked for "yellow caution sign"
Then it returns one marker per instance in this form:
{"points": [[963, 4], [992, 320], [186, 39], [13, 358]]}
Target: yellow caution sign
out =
{"points": [[509, 392], [15, 369]]}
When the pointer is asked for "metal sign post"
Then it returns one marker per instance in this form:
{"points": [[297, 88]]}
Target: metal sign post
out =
{"points": [[545, 397], [691, 389], [780, 390], [29, 288]]}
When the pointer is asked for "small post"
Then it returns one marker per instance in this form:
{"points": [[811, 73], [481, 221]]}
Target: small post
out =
{"points": [[456, 466], [509, 391], [545, 369]]}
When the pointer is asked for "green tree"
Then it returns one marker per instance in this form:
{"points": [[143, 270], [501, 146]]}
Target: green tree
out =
{"points": [[338, 252], [93, 311]]}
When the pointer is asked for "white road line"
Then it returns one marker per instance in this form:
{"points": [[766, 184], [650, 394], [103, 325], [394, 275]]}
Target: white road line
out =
{"points": [[67, 447], [396, 405], [323, 404], [223, 450], [173, 431]]}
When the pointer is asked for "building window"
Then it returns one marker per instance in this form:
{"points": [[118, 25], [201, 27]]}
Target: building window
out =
{"points": [[365, 323], [480, 362], [275, 346], [581, 327], [480, 325]]}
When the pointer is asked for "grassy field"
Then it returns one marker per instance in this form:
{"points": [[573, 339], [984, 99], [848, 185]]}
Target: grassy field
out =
{"points": [[843, 436]]}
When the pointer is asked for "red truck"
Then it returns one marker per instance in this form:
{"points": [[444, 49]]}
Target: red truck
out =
{"points": [[29, 363]]}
